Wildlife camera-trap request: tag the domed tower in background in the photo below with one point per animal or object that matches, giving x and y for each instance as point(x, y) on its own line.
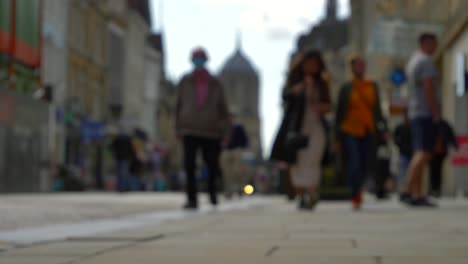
point(241, 84)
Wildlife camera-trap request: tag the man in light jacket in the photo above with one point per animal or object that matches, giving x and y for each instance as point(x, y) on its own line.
point(202, 121)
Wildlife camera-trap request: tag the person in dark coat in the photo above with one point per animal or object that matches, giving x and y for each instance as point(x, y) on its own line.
point(202, 122)
point(301, 140)
point(445, 139)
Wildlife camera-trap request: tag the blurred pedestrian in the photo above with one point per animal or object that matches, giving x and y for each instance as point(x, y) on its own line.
point(444, 140)
point(280, 153)
point(202, 121)
point(358, 120)
point(424, 113)
point(139, 163)
point(122, 149)
point(157, 181)
point(233, 164)
point(402, 139)
point(302, 140)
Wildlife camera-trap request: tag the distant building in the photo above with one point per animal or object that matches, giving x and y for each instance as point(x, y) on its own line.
point(242, 88)
point(138, 28)
point(87, 90)
point(87, 59)
point(115, 73)
point(54, 71)
point(154, 79)
point(166, 117)
point(331, 37)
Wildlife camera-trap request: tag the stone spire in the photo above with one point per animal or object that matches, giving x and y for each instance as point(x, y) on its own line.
point(239, 41)
point(332, 8)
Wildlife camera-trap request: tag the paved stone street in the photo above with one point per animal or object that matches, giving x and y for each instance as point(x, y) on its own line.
point(269, 230)
point(26, 210)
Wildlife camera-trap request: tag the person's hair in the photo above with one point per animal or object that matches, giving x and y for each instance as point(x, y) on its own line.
point(296, 75)
point(426, 36)
point(199, 52)
point(354, 60)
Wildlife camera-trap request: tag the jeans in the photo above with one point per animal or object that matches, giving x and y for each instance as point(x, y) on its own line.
point(211, 150)
point(123, 175)
point(404, 165)
point(358, 155)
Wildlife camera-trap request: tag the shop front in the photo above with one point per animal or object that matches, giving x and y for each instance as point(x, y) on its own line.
point(454, 61)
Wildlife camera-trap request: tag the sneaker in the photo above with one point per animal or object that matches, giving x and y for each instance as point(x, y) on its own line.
point(422, 202)
point(435, 194)
point(190, 206)
point(357, 201)
point(313, 201)
point(302, 204)
point(405, 198)
point(356, 204)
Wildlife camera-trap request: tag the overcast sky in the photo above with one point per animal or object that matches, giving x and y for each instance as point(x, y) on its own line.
point(269, 30)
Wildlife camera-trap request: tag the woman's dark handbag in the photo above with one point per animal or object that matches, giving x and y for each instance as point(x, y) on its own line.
point(289, 139)
point(296, 141)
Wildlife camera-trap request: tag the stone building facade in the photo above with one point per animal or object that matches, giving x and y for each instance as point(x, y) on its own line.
point(330, 36)
point(114, 74)
point(87, 79)
point(153, 81)
point(54, 69)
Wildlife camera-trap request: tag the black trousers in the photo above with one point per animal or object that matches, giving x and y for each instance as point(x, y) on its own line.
point(211, 151)
point(436, 166)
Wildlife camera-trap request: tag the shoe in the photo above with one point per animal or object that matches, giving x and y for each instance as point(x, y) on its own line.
point(405, 198)
point(302, 204)
point(313, 201)
point(382, 196)
point(356, 203)
point(422, 202)
point(360, 197)
point(190, 206)
point(214, 200)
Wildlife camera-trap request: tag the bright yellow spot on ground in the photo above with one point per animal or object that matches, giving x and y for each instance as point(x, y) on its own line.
point(249, 189)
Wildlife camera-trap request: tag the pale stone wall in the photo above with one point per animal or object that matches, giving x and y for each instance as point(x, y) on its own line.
point(54, 68)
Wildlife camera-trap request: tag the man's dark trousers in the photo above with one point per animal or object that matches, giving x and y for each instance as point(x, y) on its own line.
point(211, 150)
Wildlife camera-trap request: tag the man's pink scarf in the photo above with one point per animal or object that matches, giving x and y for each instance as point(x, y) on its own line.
point(201, 78)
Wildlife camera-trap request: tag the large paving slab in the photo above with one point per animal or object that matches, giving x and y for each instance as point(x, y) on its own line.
point(383, 233)
point(66, 249)
point(34, 260)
